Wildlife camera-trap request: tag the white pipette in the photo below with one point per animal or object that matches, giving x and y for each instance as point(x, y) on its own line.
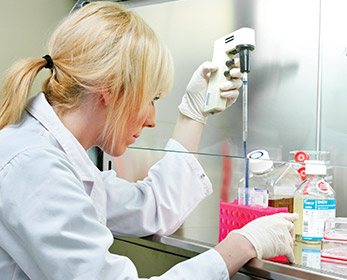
point(244, 52)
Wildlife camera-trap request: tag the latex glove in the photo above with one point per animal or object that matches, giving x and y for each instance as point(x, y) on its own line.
point(193, 101)
point(272, 235)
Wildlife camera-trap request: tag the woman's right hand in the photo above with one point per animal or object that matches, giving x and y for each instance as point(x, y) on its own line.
point(265, 237)
point(272, 235)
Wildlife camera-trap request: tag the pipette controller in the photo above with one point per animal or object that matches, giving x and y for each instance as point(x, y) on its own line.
point(241, 42)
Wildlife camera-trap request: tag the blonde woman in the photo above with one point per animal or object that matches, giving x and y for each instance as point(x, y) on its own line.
point(56, 208)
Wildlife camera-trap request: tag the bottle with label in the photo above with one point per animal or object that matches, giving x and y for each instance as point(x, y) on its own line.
point(314, 201)
point(285, 181)
point(259, 180)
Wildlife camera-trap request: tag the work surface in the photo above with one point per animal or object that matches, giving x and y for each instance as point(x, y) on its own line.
point(190, 242)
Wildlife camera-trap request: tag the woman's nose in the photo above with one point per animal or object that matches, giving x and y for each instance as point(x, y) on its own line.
point(151, 119)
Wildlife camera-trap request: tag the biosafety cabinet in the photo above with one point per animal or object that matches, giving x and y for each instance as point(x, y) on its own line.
point(297, 85)
point(296, 101)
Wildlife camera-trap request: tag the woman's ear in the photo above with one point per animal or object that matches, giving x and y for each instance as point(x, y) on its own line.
point(105, 97)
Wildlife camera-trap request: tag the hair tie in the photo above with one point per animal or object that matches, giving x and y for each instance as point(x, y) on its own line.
point(49, 61)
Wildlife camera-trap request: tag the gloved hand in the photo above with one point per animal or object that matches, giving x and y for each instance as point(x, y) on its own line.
point(193, 101)
point(272, 235)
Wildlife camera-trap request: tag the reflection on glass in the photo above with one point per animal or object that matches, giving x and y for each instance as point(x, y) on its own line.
point(202, 226)
point(298, 158)
point(307, 254)
point(335, 267)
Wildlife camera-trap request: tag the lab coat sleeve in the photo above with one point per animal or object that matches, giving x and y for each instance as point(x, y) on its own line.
point(159, 204)
point(50, 228)
point(208, 265)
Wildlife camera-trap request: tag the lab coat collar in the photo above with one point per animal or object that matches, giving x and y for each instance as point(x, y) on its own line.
point(41, 110)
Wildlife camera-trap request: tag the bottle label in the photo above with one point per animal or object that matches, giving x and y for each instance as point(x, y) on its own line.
point(315, 212)
point(311, 258)
point(323, 186)
point(253, 197)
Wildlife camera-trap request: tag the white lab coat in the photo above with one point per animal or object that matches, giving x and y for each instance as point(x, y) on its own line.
point(57, 208)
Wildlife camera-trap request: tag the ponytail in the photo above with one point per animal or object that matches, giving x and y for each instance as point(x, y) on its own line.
point(16, 88)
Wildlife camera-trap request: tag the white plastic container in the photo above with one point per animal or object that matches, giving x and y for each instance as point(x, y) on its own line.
point(259, 180)
point(268, 185)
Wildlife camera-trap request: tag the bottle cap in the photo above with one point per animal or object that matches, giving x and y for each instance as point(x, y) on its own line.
point(302, 173)
point(259, 161)
point(301, 156)
point(315, 167)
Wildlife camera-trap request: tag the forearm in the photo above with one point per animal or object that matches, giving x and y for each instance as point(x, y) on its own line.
point(236, 251)
point(187, 132)
point(156, 205)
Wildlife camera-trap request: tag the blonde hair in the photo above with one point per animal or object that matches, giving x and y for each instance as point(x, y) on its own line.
point(102, 46)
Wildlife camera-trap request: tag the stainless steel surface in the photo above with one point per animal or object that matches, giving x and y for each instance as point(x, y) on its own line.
point(182, 243)
point(272, 270)
point(260, 268)
point(129, 3)
point(334, 83)
point(283, 84)
point(319, 82)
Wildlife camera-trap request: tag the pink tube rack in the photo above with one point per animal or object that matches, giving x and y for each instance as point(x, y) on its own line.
point(233, 216)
